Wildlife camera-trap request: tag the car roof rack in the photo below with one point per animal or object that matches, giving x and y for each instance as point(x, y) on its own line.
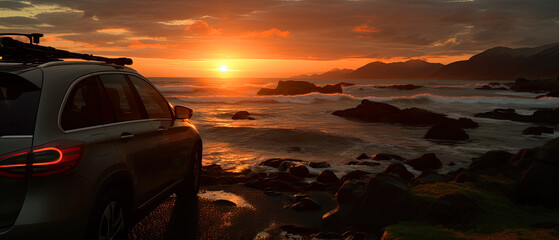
point(15, 51)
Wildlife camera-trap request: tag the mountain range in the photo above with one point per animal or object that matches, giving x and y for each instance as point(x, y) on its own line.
point(499, 63)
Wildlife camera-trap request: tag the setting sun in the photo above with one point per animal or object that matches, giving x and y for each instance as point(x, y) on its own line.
point(223, 68)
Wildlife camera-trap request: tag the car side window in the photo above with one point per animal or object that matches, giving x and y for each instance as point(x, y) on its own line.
point(121, 97)
point(155, 104)
point(82, 108)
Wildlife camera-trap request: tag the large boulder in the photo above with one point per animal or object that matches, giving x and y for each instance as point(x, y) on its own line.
point(400, 170)
point(445, 131)
point(425, 162)
point(327, 176)
point(451, 209)
point(385, 113)
point(536, 86)
point(537, 130)
point(540, 183)
point(242, 115)
point(546, 116)
point(491, 163)
point(299, 87)
point(299, 171)
point(385, 200)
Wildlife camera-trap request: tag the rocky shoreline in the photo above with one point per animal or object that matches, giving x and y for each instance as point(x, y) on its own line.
point(396, 204)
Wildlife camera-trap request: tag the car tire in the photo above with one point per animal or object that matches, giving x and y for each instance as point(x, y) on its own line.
point(110, 219)
point(188, 189)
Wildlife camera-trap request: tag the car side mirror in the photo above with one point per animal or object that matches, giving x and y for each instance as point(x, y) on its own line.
point(183, 112)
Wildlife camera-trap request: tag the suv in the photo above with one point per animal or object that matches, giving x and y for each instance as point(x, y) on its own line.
point(86, 148)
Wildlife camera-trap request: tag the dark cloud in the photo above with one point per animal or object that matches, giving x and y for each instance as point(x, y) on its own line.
point(306, 29)
point(13, 5)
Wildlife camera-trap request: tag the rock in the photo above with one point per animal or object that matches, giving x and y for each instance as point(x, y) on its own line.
point(362, 156)
point(463, 123)
point(523, 158)
point(451, 209)
point(285, 165)
point(319, 165)
point(491, 163)
point(400, 170)
point(208, 180)
point(226, 203)
point(536, 86)
point(297, 229)
point(294, 149)
point(401, 87)
point(326, 235)
point(299, 171)
point(345, 84)
point(504, 114)
point(353, 235)
point(316, 186)
point(537, 130)
point(386, 201)
point(257, 176)
point(444, 131)
point(356, 174)
point(546, 116)
point(363, 163)
point(429, 176)
point(213, 170)
point(385, 113)
point(549, 116)
point(386, 156)
point(272, 193)
point(451, 164)
point(540, 183)
point(242, 115)
point(299, 87)
point(425, 162)
point(554, 94)
point(284, 176)
point(276, 162)
point(305, 204)
point(327, 176)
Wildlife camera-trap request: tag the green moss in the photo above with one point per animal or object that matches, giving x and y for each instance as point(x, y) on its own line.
point(419, 231)
point(498, 214)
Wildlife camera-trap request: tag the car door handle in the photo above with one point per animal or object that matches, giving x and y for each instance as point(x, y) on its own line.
point(126, 136)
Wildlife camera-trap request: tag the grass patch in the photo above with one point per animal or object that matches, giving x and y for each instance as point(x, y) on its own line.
point(499, 217)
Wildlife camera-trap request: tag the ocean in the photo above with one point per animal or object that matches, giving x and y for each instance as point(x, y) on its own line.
point(303, 127)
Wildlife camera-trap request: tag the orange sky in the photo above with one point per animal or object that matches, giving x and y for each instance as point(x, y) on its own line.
point(281, 38)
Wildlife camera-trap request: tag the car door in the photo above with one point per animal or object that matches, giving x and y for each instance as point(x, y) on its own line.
point(134, 136)
point(172, 137)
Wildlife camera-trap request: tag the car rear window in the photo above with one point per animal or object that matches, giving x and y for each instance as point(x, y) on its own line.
point(19, 100)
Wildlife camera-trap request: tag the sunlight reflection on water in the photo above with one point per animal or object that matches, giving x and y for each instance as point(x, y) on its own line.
point(222, 195)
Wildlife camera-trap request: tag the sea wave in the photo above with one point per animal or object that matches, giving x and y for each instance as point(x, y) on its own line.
point(502, 100)
point(299, 99)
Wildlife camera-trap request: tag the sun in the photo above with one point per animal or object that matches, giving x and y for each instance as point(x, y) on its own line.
point(223, 68)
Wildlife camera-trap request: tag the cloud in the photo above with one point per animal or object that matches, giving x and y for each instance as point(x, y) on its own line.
point(309, 29)
point(364, 28)
point(201, 28)
point(272, 32)
point(12, 5)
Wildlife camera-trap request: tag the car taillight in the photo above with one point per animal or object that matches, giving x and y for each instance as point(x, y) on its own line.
point(48, 159)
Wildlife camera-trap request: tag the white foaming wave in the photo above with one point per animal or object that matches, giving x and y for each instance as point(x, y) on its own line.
point(178, 88)
point(299, 99)
point(505, 101)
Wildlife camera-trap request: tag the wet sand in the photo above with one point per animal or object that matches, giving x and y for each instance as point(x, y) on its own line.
point(255, 213)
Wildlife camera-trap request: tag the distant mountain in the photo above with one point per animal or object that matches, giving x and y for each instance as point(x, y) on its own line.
point(498, 63)
point(503, 63)
point(412, 69)
point(335, 73)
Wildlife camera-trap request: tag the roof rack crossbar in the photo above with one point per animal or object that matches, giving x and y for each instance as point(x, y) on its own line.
point(16, 51)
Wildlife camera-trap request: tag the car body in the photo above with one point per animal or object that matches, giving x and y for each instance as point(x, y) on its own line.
point(80, 141)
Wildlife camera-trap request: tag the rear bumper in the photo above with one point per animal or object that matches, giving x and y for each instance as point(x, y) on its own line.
point(54, 208)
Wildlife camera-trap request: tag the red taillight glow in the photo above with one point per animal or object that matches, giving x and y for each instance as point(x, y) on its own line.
point(48, 159)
